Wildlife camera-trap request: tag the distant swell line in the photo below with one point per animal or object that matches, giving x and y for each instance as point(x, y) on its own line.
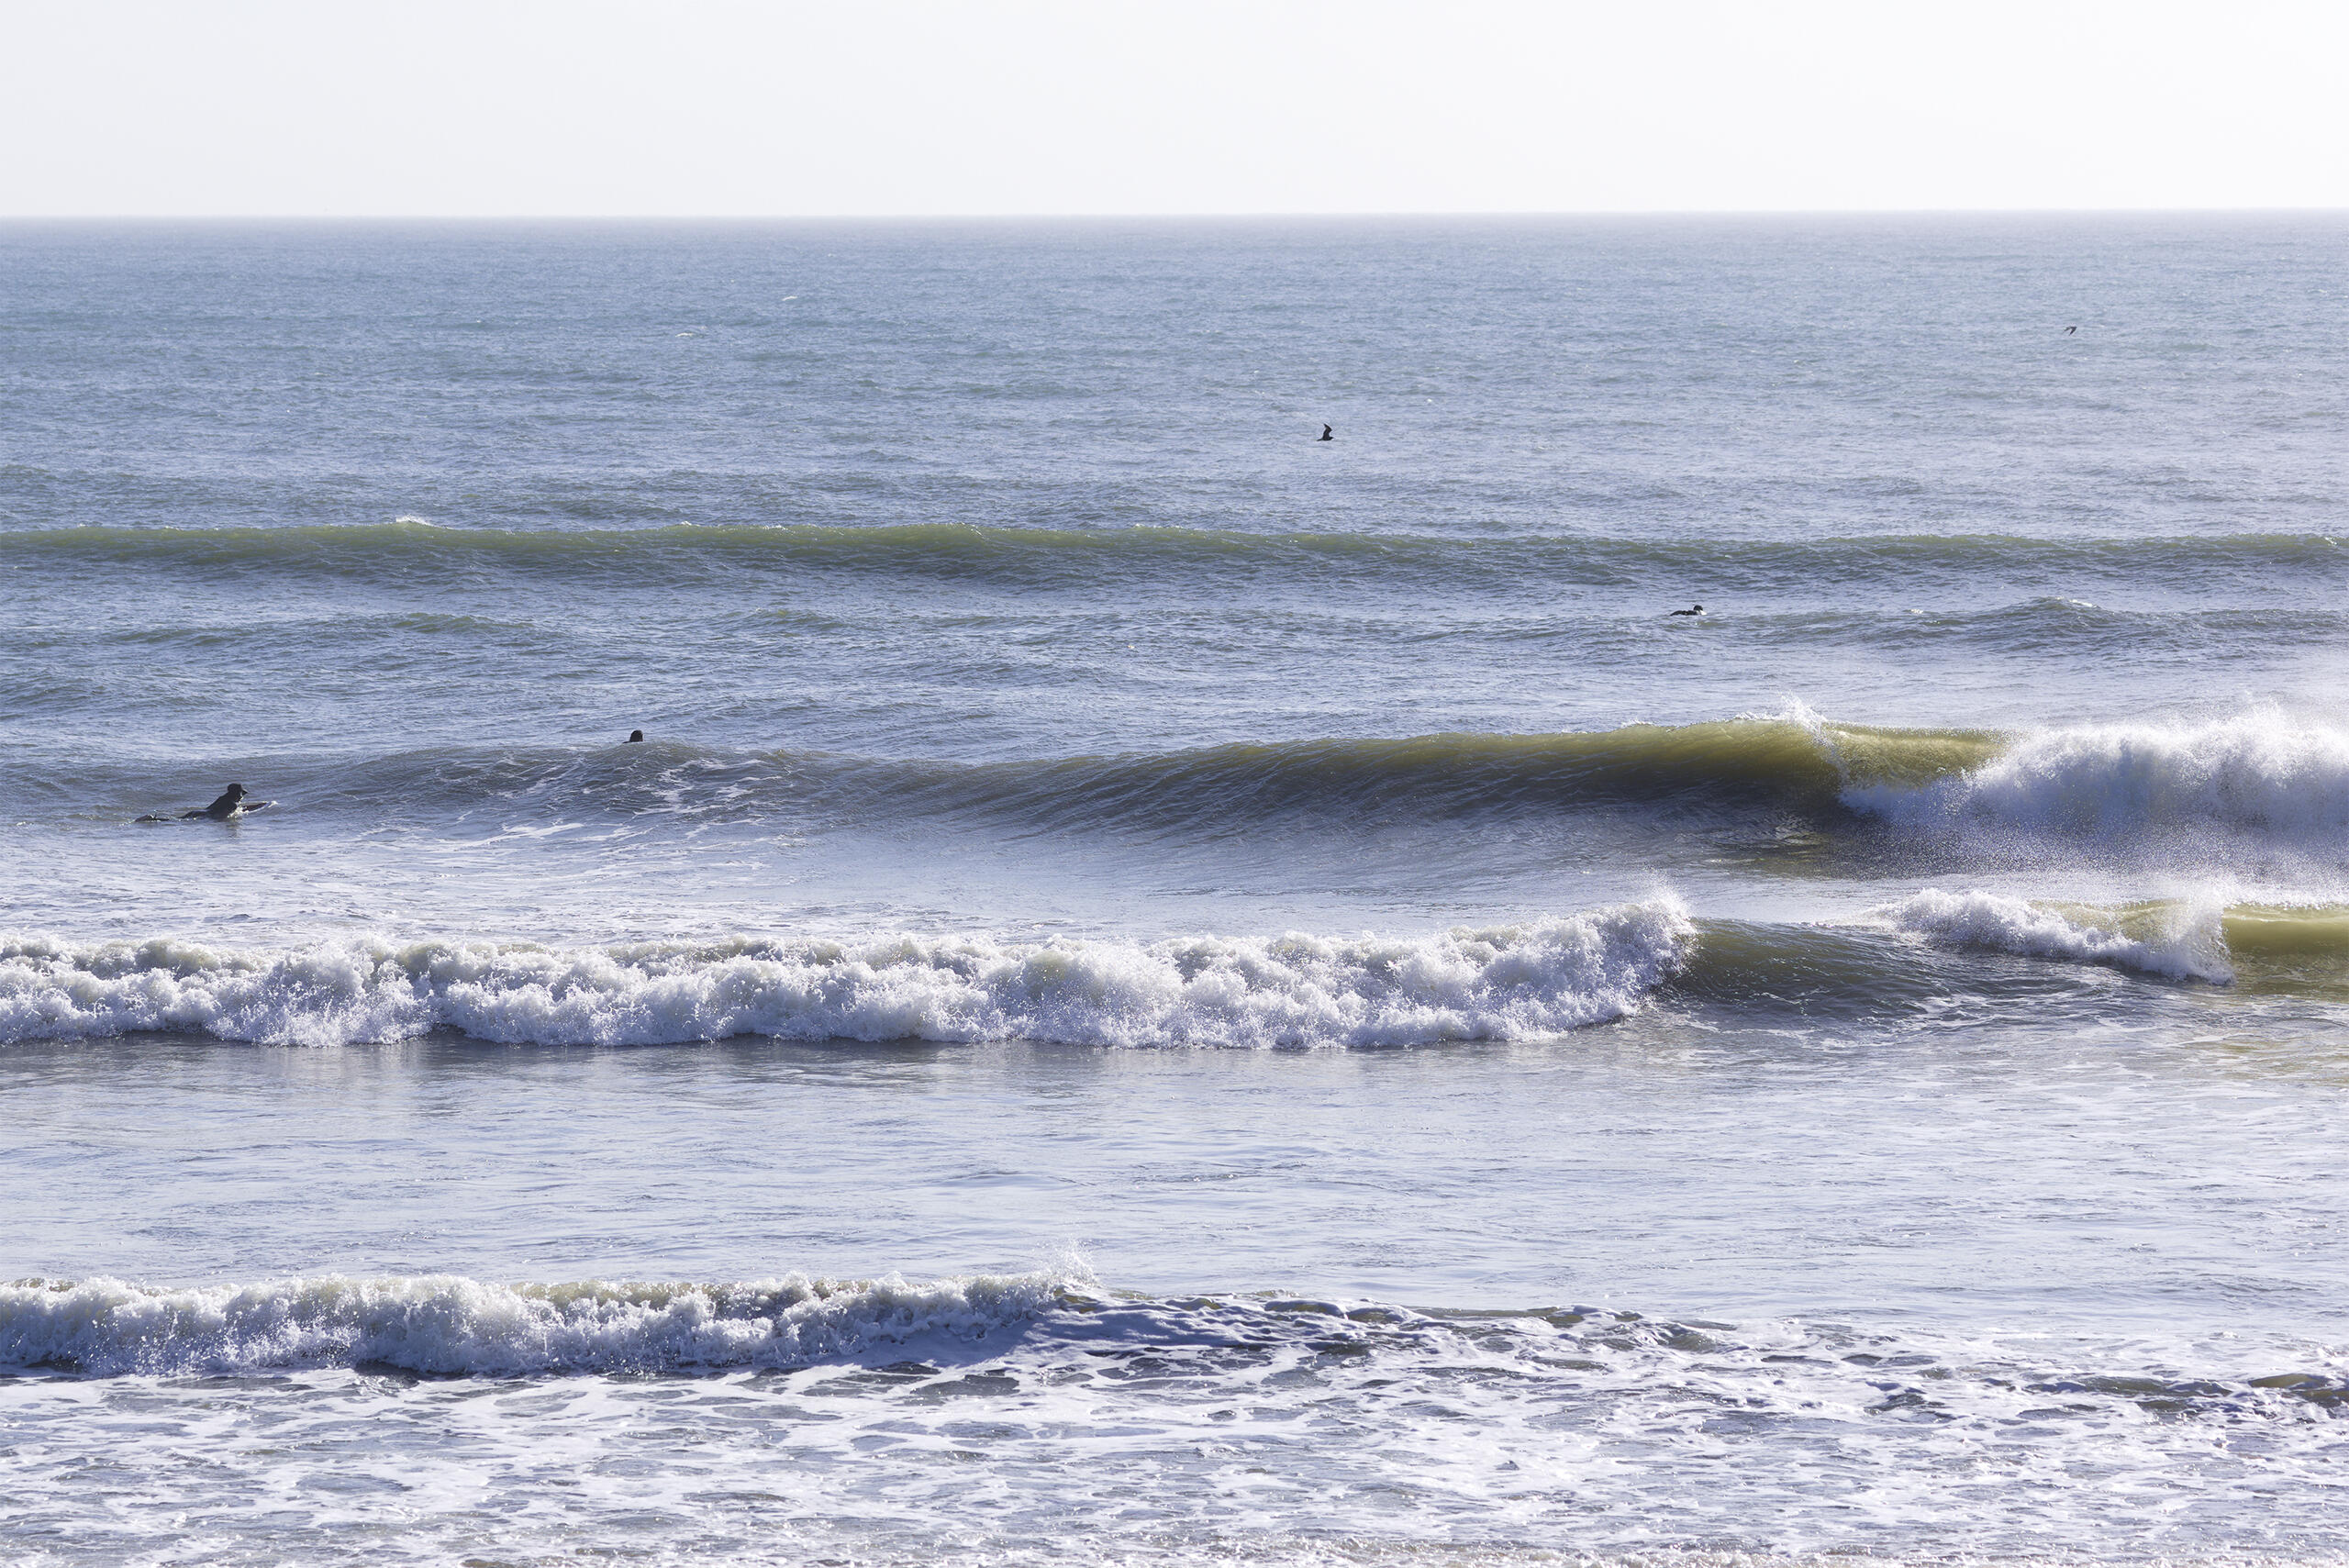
point(1081, 557)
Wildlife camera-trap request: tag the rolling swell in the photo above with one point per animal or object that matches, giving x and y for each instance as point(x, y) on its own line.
point(1087, 558)
point(2193, 789)
point(1730, 767)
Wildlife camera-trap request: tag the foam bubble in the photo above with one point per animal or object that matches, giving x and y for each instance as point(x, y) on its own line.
point(1496, 982)
point(2190, 947)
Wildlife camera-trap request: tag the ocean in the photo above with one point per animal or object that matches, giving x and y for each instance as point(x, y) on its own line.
point(1160, 989)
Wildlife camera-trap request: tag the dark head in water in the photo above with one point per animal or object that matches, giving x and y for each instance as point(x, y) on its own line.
point(1691, 610)
point(1325, 435)
point(634, 736)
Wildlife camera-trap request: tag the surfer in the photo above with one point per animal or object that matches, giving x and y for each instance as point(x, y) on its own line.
point(634, 736)
point(1691, 610)
point(234, 802)
point(1325, 435)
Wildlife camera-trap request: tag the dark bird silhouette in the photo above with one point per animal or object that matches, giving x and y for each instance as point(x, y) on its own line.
point(1693, 610)
point(1325, 435)
point(2069, 330)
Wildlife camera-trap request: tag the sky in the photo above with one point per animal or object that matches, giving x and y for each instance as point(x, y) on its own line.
point(886, 107)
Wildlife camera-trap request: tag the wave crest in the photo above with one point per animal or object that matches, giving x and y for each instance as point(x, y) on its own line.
point(1495, 982)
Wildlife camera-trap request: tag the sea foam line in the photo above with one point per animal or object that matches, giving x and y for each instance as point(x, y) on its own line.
point(1492, 983)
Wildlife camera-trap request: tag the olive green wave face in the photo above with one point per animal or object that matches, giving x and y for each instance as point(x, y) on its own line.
point(1732, 763)
point(1907, 757)
point(1809, 764)
point(2302, 952)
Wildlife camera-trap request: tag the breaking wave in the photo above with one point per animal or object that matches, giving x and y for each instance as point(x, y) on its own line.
point(2189, 942)
point(446, 1325)
point(1493, 983)
point(1023, 1328)
point(2259, 774)
point(2301, 950)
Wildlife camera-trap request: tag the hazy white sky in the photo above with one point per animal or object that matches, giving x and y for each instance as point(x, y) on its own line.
point(890, 107)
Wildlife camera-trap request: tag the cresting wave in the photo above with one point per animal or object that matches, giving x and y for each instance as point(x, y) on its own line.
point(1800, 763)
point(447, 1325)
point(1083, 558)
point(1497, 982)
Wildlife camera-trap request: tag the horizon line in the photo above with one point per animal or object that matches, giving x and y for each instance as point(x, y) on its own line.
point(1189, 215)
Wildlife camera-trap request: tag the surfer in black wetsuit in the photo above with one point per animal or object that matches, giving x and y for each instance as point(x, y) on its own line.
point(234, 801)
point(1692, 610)
point(634, 736)
point(1325, 435)
point(231, 801)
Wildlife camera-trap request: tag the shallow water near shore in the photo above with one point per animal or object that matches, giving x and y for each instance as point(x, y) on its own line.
point(1161, 990)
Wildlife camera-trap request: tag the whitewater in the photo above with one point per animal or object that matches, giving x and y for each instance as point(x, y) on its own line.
point(1158, 990)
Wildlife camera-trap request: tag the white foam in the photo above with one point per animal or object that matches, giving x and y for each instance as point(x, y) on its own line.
point(2260, 773)
point(2192, 947)
point(1499, 983)
point(444, 1324)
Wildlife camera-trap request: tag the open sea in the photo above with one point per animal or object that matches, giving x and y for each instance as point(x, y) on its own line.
point(1162, 989)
